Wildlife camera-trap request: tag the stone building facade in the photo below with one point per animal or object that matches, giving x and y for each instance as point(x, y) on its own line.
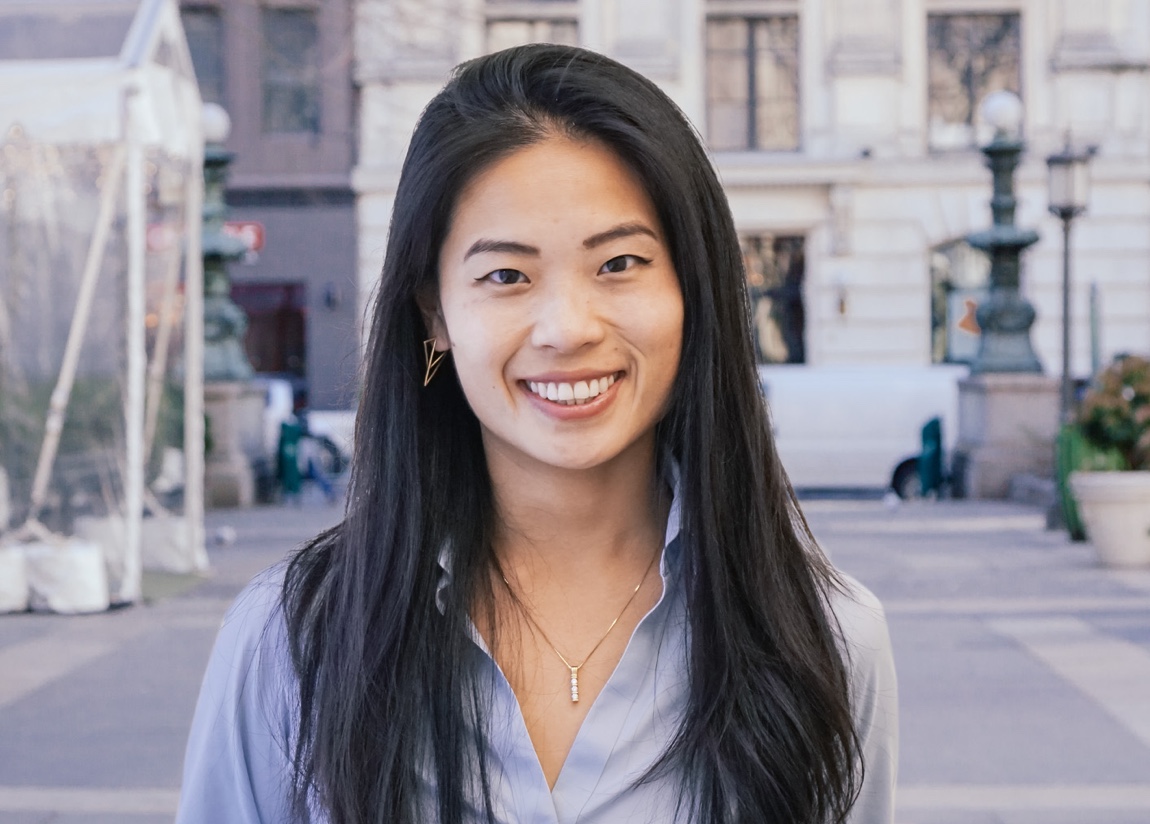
point(282, 70)
point(845, 133)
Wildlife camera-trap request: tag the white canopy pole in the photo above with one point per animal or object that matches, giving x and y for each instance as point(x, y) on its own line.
point(129, 590)
point(59, 401)
point(194, 365)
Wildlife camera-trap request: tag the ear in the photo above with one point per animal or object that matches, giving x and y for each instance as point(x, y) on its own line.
point(432, 313)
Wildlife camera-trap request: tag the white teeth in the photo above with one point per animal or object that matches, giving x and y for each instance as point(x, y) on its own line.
point(572, 394)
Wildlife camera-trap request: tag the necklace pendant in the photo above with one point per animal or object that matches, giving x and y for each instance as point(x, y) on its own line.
point(574, 685)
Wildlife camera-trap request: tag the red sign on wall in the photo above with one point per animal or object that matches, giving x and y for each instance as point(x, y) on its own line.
point(250, 232)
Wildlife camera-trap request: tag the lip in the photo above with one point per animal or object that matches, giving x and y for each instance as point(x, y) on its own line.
point(572, 377)
point(563, 412)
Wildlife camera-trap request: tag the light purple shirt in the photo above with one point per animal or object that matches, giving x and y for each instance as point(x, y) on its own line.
point(238, 763)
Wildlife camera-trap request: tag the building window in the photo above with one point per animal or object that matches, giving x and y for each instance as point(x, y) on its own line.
point(204, 28)
point(753, 83)
point(518, 22)
point(969, 56)
point(775, 272)
point(505, 33)
point(290, 70)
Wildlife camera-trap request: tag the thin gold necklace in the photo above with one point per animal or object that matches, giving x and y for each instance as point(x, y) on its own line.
point(574, 668)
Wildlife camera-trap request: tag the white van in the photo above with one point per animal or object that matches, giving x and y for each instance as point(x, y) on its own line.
point(859, 427)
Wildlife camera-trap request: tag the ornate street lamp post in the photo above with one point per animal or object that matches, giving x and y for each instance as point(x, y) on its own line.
point(224, 321)
point(232, 404)
point(1068, 190)
point(1008, 409)
point(1005, 317)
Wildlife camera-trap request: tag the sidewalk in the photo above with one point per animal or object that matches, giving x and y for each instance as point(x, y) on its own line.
point(95, 710)
point(1024, 668)
point(1024, 671)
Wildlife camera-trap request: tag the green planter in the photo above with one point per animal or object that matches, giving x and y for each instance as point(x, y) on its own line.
point(1073, 453)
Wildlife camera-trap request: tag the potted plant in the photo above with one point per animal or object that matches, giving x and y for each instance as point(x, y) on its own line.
point(1112, 484)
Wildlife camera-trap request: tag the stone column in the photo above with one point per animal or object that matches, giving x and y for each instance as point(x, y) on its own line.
point(1007, 423)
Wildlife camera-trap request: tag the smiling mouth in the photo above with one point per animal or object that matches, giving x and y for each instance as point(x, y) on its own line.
point(576, 393)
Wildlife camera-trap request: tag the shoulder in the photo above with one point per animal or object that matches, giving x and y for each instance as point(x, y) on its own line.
point(238, 758)
point(251, 660)
point(866, 646)
point(860, 616)
point(864, 639)
point(258, 605)
point(253, 630)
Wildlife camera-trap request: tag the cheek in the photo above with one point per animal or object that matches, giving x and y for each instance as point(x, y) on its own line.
point(662, 327)
point(671, 346)
point(482, 348)
point(481, 382)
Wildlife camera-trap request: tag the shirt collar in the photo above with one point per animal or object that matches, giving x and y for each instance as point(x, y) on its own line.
point(669, 563)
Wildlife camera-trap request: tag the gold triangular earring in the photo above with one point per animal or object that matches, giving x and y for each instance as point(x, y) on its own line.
point(433, 359)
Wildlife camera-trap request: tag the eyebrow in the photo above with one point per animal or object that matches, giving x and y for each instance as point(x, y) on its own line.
point(515, 248)
point(506, 246)
point(621, 231)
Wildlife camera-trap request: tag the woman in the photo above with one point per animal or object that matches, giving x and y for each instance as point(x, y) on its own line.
point(573, 583)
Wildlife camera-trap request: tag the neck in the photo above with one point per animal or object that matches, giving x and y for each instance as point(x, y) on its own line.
point(578, 525)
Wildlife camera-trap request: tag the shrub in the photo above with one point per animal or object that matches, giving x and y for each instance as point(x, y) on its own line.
point(1115, 414)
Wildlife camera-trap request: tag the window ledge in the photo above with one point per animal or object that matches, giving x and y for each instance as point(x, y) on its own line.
point(783, 169)
point(865, 57)
point(1094, 51)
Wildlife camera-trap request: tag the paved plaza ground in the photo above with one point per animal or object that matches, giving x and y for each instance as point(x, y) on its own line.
point(1024, 671)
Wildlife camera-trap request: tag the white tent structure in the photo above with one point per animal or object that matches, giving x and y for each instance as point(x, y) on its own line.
point(101, 388)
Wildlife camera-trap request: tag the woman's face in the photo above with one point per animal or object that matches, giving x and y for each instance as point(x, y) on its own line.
point(560, 305)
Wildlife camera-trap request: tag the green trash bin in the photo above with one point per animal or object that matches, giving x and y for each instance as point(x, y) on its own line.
point(287, 457)
point(930, 474)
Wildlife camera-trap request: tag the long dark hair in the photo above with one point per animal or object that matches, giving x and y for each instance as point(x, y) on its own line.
point(386, 704)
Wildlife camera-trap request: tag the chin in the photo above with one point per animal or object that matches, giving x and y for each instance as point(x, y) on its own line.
point(573, 463)
point(578, 457)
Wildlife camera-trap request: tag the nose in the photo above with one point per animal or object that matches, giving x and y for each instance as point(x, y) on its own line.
point(567, 315)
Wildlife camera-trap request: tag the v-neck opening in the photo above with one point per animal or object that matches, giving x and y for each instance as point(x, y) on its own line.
point(582, 775)
point(596, 708)
point(586, 760)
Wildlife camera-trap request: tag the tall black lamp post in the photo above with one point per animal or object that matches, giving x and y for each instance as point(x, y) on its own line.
point(1068, 189)
point(1005, 317)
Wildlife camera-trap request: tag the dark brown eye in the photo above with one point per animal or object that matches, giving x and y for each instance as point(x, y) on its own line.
point(505, 277)
point(622, 263)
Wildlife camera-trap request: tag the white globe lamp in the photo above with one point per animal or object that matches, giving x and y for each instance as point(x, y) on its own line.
point(216, 123)
point(1002, 110)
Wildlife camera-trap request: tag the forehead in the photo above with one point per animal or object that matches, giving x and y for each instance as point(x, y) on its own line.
point(579, 184)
